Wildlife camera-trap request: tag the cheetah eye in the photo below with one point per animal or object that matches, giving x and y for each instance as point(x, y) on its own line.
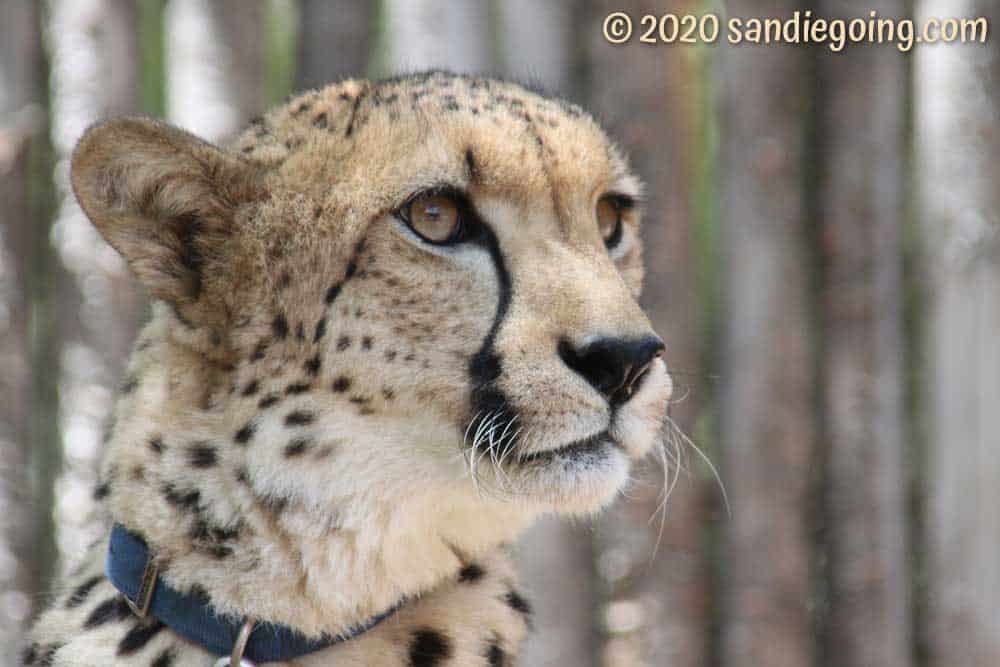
point(611, 210)
point(435, 216)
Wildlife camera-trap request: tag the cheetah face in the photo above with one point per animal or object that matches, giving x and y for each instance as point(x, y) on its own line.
point(424, 282)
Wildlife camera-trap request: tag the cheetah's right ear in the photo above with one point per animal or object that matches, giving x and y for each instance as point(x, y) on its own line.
point(165, 200)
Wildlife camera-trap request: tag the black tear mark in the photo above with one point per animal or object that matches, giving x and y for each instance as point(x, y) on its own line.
point(485, 367)
point(202, 455)
point(428, 648)
point(112, 609)
point(80, 593)
point(140, 635)
point(312, 365)
point(244, 435)
point(280, 326)
point(320, 330)
point(471, 573)
point(321, 121)
point(299, 418)
point(251, 388)
point(297, 447)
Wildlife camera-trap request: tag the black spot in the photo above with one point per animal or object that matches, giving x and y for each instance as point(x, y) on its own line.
point(471, 573)
point(130, 384)
point(366, 343)
point(331, 294)
point(354, 114)
point(297, 447)
point(495, 656)
point(156, 444)
point(428, 648)
point(30, 655)
point(138, 637)
point(202, 455)
point(300, 331)
point(243, 476)
point(285, 280)
point(321, 121)
point(80, 593)
point(112, 609)
point(516, 602)
point(280, 326)
point(102, 491)
point(165, 659)
point(299, 418)
point(342, 384)
point(185, 500)
point(268, 401)
point(343, 343)
point(259, 351)
point(388, 394)
point(47, 655)
point(320, 330)
point(312, 365)
point(360, 400)
point(390, 355)
point(297, 388)
point(251, 388)
point(470, 162)
point(244, 434)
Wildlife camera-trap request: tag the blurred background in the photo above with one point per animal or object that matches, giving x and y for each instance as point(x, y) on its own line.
point(823, 247)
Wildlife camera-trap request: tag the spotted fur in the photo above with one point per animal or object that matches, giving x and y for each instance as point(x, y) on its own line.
point(327, 416)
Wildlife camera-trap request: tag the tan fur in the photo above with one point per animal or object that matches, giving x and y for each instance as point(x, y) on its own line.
point(292, 435)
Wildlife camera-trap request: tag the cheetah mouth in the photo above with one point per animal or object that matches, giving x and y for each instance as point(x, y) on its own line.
point(593, 445)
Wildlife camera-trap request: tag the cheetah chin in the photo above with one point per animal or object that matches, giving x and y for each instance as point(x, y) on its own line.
point(393, 324)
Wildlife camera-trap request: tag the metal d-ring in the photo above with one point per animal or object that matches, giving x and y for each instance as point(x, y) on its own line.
point(236, 658)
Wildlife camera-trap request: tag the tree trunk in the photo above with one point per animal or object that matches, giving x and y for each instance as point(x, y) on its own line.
point(556, 557)
point(957, 97)
point(860, 129)
point(335, 39)
point(215, 65)
point(22, 81)
point(767, 372)
point(424, 34)
point(94, 55)
point(664, 578)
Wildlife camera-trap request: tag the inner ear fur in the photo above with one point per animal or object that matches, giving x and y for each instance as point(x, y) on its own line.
point(166, 201)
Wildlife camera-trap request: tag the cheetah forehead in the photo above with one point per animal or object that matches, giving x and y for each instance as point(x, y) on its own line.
point(379, 141)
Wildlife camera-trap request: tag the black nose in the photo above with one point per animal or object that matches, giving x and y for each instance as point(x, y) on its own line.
point(613, 366)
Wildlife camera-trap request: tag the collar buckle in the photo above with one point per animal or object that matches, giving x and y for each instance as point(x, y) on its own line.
point(236, 658)
point(140, 606)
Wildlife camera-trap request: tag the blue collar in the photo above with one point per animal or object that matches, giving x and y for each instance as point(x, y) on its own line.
point(132, 571)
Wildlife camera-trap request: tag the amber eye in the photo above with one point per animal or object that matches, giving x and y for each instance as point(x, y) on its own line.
point(435, 217)
point(610, 209)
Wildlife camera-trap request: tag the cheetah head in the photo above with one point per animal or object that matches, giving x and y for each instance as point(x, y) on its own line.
point(420, 291)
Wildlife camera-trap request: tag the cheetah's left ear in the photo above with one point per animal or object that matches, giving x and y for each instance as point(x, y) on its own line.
point(165, 200)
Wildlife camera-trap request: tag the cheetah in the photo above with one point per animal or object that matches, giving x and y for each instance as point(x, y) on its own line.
point(393, 324)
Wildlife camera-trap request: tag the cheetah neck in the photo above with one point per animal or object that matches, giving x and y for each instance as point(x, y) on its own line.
point(318, 551)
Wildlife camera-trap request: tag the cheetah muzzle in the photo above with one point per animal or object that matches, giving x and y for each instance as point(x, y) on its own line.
point(392, 325)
